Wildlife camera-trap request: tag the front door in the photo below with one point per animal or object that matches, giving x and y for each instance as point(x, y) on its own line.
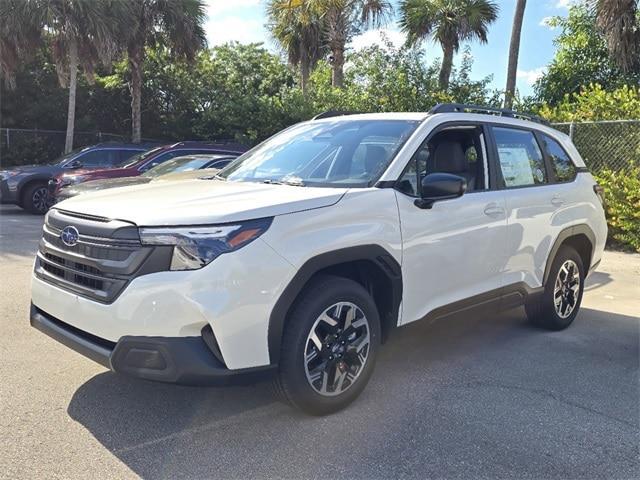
point(454, 250)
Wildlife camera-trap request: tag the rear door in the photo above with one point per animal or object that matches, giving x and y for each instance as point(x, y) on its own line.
point(531, 204)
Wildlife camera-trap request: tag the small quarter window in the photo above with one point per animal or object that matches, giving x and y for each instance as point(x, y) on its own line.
point(521, 160)
point(563, 167)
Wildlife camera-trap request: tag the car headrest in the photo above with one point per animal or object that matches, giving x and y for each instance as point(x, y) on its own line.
point(375, 158)
point(449, 157)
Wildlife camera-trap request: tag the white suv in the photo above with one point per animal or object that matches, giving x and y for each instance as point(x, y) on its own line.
point(298, 259)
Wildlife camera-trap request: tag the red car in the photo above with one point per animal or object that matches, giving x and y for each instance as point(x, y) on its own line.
point(142, 162)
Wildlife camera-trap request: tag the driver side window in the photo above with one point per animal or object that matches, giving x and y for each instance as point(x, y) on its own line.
point(455, 150)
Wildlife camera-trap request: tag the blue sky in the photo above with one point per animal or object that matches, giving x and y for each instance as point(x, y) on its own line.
point(244, 21)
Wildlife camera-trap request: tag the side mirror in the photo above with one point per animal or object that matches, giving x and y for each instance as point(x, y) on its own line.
point(440, 186)
point(75, 164)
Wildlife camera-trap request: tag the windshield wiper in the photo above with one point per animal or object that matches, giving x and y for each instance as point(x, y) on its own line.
point(294, 182)
point(212, 177)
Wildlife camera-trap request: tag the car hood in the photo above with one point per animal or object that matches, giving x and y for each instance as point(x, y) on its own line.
point(94, 185)
point(199, 202)
point(31, 169)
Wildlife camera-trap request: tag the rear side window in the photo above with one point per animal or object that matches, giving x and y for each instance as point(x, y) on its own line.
point(521, 160)
point(124, 155)
point(563, 167)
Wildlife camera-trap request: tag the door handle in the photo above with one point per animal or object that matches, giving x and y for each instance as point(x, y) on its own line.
point(493, 210)
point(557, 201)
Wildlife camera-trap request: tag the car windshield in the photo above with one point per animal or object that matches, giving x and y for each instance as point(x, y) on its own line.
point(336, 153)
point(131, 161)
point(178, 164)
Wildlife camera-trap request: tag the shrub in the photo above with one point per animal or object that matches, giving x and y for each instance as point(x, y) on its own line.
point(622, 204)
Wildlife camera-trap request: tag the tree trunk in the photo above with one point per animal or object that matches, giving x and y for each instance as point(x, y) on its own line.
point(135, 65)
point(304, 76)
point(337, 67)
point(514, 50)
point(73, 83)
point(445, 69)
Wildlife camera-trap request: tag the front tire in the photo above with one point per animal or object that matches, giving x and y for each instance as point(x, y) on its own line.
point(36, 199)
point(329, 347)
point(558, 305)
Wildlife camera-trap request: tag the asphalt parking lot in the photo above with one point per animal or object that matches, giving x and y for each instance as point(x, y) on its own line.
point(472, 397)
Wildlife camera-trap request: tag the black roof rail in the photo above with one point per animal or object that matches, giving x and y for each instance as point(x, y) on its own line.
point(332, 113)
point(503, 112)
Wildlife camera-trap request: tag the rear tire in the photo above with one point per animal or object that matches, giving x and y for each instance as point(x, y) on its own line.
point(329, 346)
point(35, 198)
point(560, 301)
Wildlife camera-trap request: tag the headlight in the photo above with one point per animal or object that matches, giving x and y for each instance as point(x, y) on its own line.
point(195, 247)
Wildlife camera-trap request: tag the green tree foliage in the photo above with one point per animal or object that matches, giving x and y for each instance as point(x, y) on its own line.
point(235, 91)
point(449, 23)
point(594, 103)
point(300, 34)
point(581, 58)
point(622, 204)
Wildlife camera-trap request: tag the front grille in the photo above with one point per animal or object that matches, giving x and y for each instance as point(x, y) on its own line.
point(107, 256)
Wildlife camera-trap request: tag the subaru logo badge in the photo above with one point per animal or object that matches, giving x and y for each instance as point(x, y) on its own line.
point(69, 236)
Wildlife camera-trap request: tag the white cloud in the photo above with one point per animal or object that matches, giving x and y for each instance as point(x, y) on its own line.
point(237, 29)
point(376, 37)
point(565, 3)
point(530, 76)
point(218, 7)
point(235, 20)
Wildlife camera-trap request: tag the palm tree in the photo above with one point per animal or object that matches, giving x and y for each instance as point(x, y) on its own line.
point(176, 24)
point(342, 20)
point(619, 21)
point(79, 33)
point(514, 51)
point(20, 37)
point(447, 22)
point(299, 33)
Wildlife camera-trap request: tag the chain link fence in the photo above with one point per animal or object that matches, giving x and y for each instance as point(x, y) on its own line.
point(31, 146)
point(613, 145)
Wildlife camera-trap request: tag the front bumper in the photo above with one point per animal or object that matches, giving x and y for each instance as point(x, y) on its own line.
point(7, 194)
point(179, 360)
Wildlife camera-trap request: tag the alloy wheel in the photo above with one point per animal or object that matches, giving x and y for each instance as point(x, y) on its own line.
point(337, 349)
point(566, 289)
point(40, 199)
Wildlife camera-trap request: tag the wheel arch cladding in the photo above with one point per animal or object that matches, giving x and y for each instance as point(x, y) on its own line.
point(581, 238)
point(371, 266)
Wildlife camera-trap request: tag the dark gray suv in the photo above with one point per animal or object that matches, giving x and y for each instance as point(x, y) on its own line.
point(26, 186)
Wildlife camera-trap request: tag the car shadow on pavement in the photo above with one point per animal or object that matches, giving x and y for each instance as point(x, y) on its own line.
point(597, 280)
point(434, 380)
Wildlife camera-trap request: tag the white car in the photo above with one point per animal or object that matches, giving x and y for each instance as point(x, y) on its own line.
point(298, 260)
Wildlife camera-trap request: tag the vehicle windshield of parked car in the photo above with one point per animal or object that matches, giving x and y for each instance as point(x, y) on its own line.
point(178, 164)
point(131, 161)
point(336, 153)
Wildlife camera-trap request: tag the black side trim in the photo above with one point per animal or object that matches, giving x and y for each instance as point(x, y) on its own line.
point(211, 341)
point(385, 184)
point(502, 298)
point(375, 253)
point(564, 235)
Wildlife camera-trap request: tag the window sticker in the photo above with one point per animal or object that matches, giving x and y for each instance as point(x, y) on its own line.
point(515, 165)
